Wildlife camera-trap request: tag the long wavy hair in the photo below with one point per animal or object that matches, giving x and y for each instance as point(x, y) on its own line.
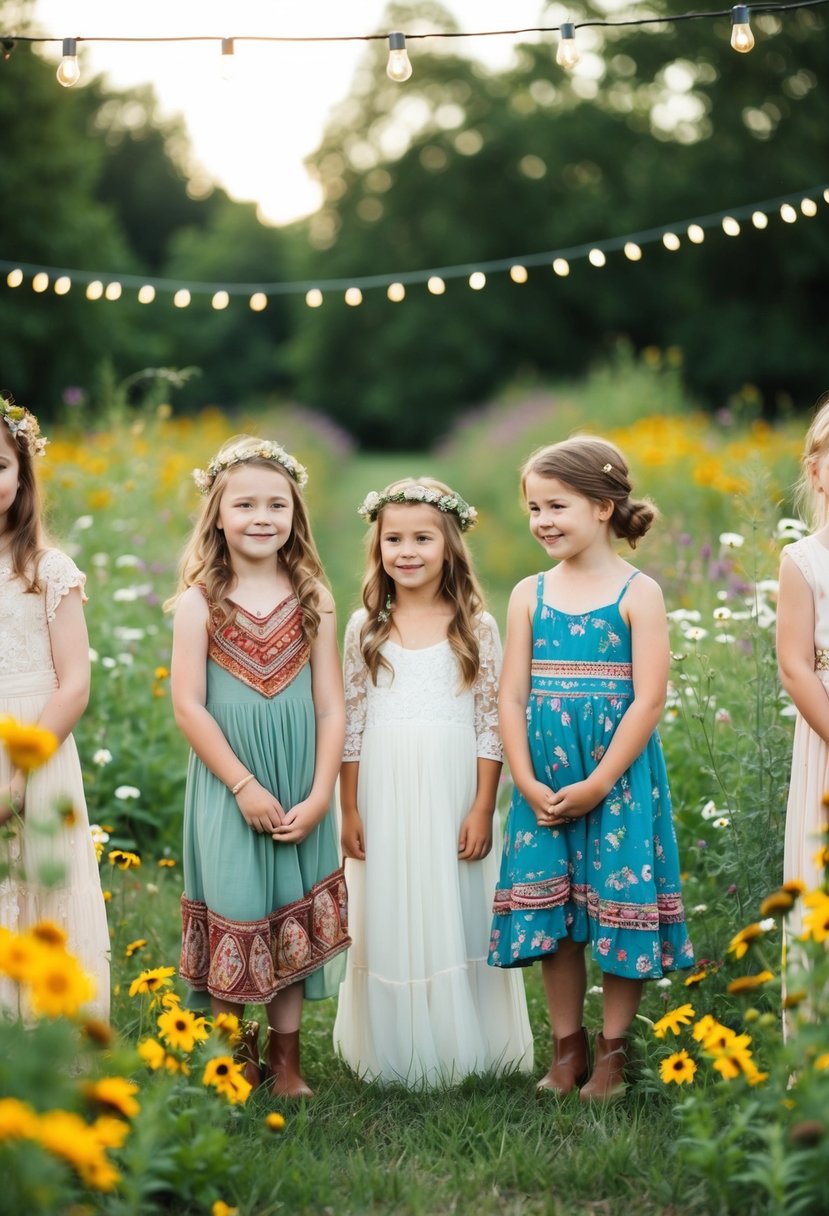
point(596, 469)
point(24, 520)
point(811, 507)
point(459, 587)
point(206, 562)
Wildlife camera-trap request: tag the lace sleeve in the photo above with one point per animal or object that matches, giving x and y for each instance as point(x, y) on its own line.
point(486, 691)
point(61, 575)
point(356, 677)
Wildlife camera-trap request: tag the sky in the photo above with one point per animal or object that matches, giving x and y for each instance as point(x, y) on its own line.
point(251, 133)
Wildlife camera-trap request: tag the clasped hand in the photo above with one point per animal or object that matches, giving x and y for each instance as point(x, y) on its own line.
point(556, 808)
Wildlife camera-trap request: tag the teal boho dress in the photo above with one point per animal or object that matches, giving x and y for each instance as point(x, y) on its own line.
point(258, 915)
point(612, 877)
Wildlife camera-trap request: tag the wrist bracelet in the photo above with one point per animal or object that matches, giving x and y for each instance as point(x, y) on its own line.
point(240, 785)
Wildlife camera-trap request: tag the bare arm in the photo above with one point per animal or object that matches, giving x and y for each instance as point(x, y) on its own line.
point(475, 839)
point(353, 835)
point(329, 713)
point(514, 695)
point(70, 656)
point(796, 648)
point(258, 806)
point(650, 662)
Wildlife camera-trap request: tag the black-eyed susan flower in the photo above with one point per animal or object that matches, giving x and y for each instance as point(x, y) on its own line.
point(678, 1069)
point(152, 1053)
point(19, 953)
point(794, 886)
point(111, 1132)
point(227, 1025)
point(58, 985)
point(152, 980)
point(706, 1026)
point(275, 1122)
point(777, 904)
point(115, 1092)
point(49, 934)
point(66, 1135)
point(98, 1032)
point(794, 998)
point(695, 978)
point(28, 747)
point(747, 983)
point(225, 1076)
point(816, 920)
point(123, 859)
point(134, 947)
point(739, 944)
point(674, 1020)
point(181, 1029)
point(18, 1120)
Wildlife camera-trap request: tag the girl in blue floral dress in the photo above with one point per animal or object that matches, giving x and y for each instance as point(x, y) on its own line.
point(590, 852)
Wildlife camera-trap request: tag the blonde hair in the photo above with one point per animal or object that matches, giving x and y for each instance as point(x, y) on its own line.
point(459, 587)
point(205, 561)
point(813, 508)
point(24, 518)
point(596, 469)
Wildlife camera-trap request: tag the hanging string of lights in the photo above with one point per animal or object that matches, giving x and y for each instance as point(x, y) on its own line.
point(108, 286)
point(399, 67)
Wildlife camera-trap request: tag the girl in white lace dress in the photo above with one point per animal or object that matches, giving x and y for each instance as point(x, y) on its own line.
point(44, 679)
point(803, 657)
point(419, 1005)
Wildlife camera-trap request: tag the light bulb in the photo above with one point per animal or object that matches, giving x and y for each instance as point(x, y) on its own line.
point(567, 54)
point(68, 72)
point(742, 39)
point(228, 58)
point(398, 67)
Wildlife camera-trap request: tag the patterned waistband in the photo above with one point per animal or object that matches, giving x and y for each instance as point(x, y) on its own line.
point(554, 669)
point(822, 660)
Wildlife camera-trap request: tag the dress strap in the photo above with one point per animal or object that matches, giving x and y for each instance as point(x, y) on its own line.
point(539, 588)
point(625, 586)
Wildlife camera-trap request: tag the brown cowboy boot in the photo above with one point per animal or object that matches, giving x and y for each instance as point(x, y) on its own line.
point(608, 1079)
point(569, 1066)
point(247, 1053)
point(283, 1060)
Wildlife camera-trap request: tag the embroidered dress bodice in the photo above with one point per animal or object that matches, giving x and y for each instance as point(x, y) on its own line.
point(266, 653)
point(25, 649)
point(424, 686)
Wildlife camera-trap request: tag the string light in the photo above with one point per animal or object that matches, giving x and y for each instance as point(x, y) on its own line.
point(399, 67)
point(567, 53)
point(397, 285)
point(68, 72)
point(40, 282)
point(742, 39)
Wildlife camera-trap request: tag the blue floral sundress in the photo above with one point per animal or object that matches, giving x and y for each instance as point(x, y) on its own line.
point(612, 877)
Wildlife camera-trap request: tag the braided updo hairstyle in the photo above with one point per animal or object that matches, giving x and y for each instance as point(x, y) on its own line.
point(596, 469)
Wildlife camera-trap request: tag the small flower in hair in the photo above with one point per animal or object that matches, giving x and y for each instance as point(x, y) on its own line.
point(385, 612)
point(607, 468)
point(265, 450)
point(23, 425)
point(449, 504)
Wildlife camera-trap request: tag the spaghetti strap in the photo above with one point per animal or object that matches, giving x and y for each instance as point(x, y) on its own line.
point(539, 587)
point(625, 586)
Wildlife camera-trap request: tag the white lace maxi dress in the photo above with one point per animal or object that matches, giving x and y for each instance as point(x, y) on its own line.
point(806, 813)
point(45, 842)
point(419, 1004)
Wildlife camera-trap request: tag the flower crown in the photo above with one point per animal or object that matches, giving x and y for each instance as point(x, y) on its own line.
point(264, 450)
point(23, 425)
point(450, 504)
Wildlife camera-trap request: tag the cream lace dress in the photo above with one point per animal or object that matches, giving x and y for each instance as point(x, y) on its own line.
point(45, 844)
point(419, 1005)
point(806, 815)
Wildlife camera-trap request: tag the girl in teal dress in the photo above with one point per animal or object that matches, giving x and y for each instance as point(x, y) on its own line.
point(590, 851)
point(257, 691)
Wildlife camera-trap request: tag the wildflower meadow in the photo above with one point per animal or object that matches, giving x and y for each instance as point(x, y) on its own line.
point(724, 1113)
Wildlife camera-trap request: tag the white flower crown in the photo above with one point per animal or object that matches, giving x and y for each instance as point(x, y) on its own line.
point(450, 504)
point(265, 450)
point(22, 424)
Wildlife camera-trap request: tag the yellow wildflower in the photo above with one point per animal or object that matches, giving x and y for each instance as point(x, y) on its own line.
point(778, 901)
point(17, 1120)
point(116, 1092)
point(678, 1069)
point(152, 1053)
point(152, 979)
point(123, 859)
point(58, 985)
point(225, 1075)
point(816, 920)
point(66, 1135)
point(275, 1122)
point(110, 1132)
point(822, 1062)
point(739, 944)
point(220, 1208)
point(161, 673)
point(19, 954)
point(745, 983)
point(227, 1024)
point(167, 863)
point(49, 934)
point(673, 1020)
point(181, 1029)
point(135, 946)
point(28, 746)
